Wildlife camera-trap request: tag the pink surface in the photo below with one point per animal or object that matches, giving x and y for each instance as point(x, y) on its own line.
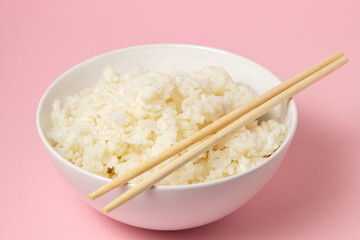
point(314, 195)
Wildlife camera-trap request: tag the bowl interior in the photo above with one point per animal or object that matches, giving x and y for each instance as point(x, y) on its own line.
point(186, 58)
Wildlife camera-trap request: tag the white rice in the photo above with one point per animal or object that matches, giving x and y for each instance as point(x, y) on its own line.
point(129, 117)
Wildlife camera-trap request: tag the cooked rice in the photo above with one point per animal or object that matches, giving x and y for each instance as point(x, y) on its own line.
point(129, 117)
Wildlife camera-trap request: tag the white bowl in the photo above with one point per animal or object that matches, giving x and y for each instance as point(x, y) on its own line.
point(168, 207)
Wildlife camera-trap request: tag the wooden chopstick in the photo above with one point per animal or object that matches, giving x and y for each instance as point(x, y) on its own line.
point(226, 131)
point(210, 129)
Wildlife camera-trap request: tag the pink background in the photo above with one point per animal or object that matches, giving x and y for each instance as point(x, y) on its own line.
point(314, 195)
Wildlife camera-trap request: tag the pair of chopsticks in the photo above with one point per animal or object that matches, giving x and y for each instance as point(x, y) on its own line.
point(219, 130)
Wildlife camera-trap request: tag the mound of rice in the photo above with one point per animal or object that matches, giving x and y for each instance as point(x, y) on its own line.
point(129, 117)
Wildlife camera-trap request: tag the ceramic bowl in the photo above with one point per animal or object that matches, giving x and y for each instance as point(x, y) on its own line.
point(168, 207)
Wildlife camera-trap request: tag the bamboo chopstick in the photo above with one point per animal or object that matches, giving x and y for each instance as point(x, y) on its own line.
point(210, 129)
point(226, 131)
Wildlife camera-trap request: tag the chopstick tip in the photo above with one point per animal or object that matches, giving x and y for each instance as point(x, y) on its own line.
point(106, 210)
point(91, 196)
point(340, 53)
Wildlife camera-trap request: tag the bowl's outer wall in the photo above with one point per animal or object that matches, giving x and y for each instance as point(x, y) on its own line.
point(174, 209)
point(167, 208)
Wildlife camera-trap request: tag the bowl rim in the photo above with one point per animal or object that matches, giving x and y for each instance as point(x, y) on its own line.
point(290, 134)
